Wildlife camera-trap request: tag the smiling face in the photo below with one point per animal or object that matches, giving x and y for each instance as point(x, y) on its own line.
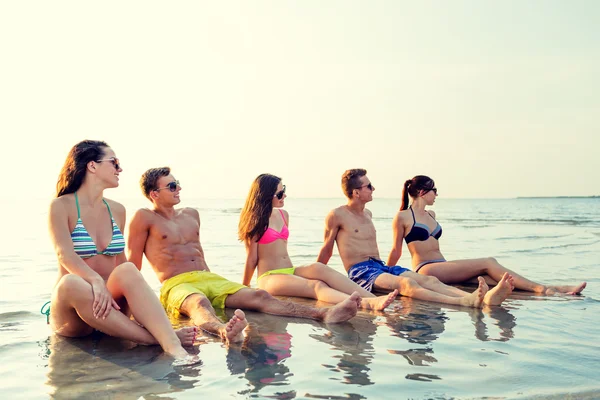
point(167, 191)
point(108, 168)
point(279, 196)
point(364, 192)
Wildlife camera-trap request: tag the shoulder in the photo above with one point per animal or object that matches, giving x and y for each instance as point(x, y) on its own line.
point(369, 213)
point(143, 213)
point(431, 212)
point(115, 206)
point(285, 214)
point(190, 212)
point(62, 202)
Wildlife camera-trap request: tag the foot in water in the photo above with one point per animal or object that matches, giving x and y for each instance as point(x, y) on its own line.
point(378, 303)
point(233, 330)
point(572, 290)
point(475, 299)
point(343, 311)
point(501, 291)
point(187, 335)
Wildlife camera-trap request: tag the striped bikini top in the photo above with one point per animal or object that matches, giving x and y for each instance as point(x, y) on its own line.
point(84, 245)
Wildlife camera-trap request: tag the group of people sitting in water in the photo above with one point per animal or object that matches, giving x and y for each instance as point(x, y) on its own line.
point(100, 286)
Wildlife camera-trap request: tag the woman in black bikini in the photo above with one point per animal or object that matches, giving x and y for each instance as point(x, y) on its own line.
point(418, 227)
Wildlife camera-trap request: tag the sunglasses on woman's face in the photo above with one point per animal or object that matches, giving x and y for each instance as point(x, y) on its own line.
point(113, 160)
point(434, 190)
point(172, 186)
point(280, 194)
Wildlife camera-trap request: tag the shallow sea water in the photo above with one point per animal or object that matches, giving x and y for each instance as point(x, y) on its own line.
point(531, 347)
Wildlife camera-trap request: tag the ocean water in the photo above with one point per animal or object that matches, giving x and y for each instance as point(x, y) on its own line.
point(530, 347)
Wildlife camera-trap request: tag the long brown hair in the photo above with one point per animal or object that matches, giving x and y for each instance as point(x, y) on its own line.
point(254, 218)
point(413, 187)
point(73, 171)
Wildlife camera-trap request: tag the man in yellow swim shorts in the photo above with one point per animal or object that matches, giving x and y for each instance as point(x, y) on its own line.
point(170, 239)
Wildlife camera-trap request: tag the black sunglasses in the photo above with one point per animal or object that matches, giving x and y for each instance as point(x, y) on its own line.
point(280, 194)
point(113, 160)
point(172, 186)
point(368, 185)
point(434, 190)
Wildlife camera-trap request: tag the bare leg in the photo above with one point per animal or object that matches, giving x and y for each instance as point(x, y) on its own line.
point(261, 300)
point(434, 284)
point(72, 316)
point(292, 285)
point(410, 288)
point(463, 270)
point(198, 308)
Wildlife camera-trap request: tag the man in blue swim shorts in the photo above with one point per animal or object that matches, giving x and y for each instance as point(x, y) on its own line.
point(169, 237)
point(351, 227)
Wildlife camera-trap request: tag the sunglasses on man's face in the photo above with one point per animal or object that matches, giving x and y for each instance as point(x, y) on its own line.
point(368, 186)
point(172, 186)
point(280, 194)
point(113, 160)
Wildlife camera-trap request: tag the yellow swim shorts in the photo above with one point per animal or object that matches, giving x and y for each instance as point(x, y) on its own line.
point(177, 288)
point(281, 271)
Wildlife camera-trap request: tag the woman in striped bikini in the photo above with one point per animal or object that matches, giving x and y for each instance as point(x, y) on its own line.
point(265, 232)
point(97, 288)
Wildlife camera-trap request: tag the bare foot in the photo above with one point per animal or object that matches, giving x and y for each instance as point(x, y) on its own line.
point(343, 311)
point(475, 299)
point(378, 303)
point(566, 289)
point(232, 332)
point(187, 335)
point(501, 291)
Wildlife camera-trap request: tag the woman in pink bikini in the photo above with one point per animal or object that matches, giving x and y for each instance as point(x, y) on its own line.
point(265, 232)
point(421, 232)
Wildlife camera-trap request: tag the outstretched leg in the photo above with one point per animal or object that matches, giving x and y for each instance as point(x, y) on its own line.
point(261, 300)
point(463, 270)
point(410, 288)
point(299, 286)
point(198, 308)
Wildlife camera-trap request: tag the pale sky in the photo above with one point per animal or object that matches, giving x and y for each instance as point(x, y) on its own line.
point(490, 99)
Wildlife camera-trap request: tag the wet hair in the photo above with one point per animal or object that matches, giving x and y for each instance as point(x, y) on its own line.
point(149, 179)
point(73, 171)
point(254, 218)
point(351, 180)
point(414, 186)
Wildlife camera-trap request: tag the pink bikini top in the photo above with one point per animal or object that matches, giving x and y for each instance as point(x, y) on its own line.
point(272, 235)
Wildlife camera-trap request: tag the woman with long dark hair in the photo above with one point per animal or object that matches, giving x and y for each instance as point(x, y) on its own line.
point(421, 232)
point(264, 229)
point(97, 288)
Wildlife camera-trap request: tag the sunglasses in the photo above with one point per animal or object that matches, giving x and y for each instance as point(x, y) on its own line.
point(113, 160)
point(280, 194)
point(369, 186)
point(172, 186)
point(434, 190)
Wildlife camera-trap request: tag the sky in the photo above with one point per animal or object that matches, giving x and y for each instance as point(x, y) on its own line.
point(490, 99)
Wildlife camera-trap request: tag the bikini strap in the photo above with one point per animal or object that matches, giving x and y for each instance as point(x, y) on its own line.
point(77, 202)
point(431, 216)
point(109, 212)
point(282, 217)
point(413, 214)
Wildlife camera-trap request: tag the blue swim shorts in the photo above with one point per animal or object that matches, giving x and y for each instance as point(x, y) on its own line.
point(364, 273)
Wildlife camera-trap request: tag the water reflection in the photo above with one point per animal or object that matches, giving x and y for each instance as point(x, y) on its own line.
point(99, 365)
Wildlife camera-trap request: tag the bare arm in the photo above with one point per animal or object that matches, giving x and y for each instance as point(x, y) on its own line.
point(139, 229)
point(251, 261)
point(120, 215)
point(398, 236)
point(332, 227)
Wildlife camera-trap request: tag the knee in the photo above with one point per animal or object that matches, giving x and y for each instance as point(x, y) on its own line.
point(262, 297)
point(432, 280)
point(318, 285)
point(200, 301)
point(127, 271)
point(491, 261)
point(408, 287)
point(71, 286)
